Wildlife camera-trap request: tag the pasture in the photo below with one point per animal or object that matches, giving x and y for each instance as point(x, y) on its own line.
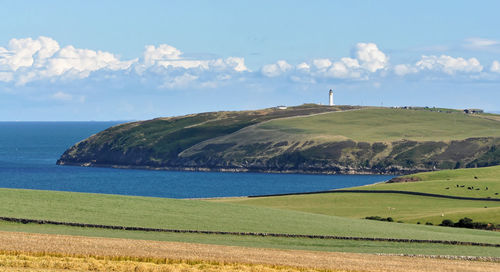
point(386, 124)
point(471, 182)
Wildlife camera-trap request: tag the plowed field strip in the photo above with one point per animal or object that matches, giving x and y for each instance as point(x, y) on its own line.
point(89, 246)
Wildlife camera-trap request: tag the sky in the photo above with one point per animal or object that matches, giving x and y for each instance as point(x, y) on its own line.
point(134, 60)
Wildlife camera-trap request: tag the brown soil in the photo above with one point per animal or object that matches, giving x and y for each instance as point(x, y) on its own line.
point(92, 246)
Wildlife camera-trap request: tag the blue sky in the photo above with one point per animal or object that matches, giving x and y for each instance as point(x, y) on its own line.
point(123, 60)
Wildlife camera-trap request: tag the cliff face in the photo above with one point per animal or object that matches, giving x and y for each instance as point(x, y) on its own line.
point(246, 141)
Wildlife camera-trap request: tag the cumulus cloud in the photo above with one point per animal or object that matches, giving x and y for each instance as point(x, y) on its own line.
point(27, 60)
point(164, 66)
point(439, 65)
point(449, 65)
point(404, 69)
point(167, 56)
point(370, 57)
point(276, 69)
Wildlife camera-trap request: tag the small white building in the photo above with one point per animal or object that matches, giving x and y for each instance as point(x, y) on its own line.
point(281, 107)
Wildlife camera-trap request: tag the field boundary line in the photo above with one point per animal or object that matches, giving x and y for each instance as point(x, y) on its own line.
point(261, 234)
point(382, 192)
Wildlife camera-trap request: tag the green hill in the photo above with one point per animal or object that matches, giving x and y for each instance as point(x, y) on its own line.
point(401, 207)
point(308, 138)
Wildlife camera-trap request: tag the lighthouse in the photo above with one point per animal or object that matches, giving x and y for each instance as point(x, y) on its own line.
point(331, 97)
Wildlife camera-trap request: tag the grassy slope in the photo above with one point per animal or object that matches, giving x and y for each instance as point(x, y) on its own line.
point(164, 138)
point(203, 215)
point(385, 124)
point(407, 208)
point(437, 182)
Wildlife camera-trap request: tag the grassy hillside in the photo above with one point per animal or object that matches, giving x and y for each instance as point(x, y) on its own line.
point(203, 215)
point(407, 208)
point(473, 182)
point(387, 125)
point(308, 138)
point(158, 141)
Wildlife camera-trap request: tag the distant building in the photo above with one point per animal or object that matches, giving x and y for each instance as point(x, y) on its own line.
point(331, 97)
point(282, 107)
point(473, 111)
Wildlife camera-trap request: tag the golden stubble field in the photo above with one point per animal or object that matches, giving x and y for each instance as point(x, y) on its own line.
point(43, 252)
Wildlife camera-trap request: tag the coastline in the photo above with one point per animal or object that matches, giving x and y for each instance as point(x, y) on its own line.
point(338, 171)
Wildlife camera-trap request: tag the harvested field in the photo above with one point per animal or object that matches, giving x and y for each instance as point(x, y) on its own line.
point(16, 261)
point(55, 251)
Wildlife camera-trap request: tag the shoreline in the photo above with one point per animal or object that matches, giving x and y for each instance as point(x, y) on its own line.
point(347, 171)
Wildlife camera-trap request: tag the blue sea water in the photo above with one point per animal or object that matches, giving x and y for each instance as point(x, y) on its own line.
point(29, 151)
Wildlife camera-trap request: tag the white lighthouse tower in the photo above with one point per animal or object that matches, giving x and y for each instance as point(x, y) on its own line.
point(331, 98)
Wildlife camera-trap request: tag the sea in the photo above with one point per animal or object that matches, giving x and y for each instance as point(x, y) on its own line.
point(29, 151)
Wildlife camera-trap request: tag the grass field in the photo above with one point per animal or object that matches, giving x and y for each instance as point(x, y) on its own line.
point(385, 124)
point(204, 215)
point(406, 208)
point(485, 182)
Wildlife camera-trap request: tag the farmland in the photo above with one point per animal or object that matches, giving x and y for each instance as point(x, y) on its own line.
point(104, 254)
point(406, 208)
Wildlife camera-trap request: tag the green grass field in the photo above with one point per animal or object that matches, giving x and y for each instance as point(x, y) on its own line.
point(204, 215)
point(485, 182)
point(385, 124)
point(406, 208)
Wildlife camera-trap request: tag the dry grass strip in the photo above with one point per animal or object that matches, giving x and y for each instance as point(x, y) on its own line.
point(109, 247)
point(18, 261)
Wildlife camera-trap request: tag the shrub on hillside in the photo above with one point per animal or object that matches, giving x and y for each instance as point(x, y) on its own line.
point(469, 224)
point(378, 218)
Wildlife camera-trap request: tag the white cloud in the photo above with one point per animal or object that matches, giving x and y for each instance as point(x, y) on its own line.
point(27, 60)
point(345, 68)
point(449, 65)
point(303, 67)
point(43, 59)
point(179, 81)
point(482, 44)
point(24, 52)
point(170, 57)
point(370, 57)
point(495, 67)
point(62, 96)
point(321, 64)
point(368, 60)
point(276, 69)
point(6, 76)
point(404, 69)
